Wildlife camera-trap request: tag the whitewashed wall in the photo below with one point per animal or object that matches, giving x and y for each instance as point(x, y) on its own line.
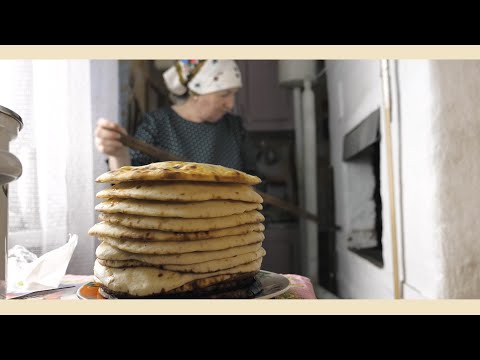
point(354, 89)
point(456, 154)
point(423, 274)
point(435, 131)
point(103, 100)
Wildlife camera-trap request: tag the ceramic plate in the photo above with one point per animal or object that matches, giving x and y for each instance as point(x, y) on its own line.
point(272, 285)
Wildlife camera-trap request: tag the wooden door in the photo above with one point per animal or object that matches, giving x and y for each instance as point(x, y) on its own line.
point(263, 104)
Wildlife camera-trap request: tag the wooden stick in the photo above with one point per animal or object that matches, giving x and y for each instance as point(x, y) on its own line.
point(273, 200)
point(148, 149)
point(163, 155)
point(391, 185)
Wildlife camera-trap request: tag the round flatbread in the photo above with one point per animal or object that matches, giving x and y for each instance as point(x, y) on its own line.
point(182, 225)
point(220, 264)
point(236, 286)
point(144, 281)
point(124, 263)
point(180, 247)
point(122, 232)
point(204, 267)
point(195, 210)
point(181, 191)
point(107, 252)
point(178, 170)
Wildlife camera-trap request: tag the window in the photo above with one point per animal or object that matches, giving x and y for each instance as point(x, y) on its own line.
point(362, 155)
point(59, 101)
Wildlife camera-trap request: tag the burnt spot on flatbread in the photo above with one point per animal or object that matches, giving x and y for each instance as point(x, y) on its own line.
point(238, 286)
point(173, 176)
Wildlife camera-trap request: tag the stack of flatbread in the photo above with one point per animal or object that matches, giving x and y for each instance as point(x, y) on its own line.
point(178, 229)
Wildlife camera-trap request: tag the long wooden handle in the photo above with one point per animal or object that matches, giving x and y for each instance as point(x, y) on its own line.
point(273, 200)
point(163, 155)
point(148, 149)
point(386, 86)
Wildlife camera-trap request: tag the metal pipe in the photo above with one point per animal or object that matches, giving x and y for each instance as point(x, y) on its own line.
point(310, 177)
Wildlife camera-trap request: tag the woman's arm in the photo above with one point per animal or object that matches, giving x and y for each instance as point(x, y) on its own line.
point(107, 142)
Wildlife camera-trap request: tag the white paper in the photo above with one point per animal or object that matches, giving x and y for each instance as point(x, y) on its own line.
point(45, 272)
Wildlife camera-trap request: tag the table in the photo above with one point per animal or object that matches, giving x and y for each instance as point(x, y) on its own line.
point(300, 288)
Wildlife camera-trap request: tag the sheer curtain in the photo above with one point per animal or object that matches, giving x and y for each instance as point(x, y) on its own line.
point(59, 101)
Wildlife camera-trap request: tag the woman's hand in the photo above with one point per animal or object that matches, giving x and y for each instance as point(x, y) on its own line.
point(108, 142)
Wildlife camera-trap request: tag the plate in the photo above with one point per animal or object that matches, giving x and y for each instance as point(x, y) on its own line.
point(272, 285)
point(89, 291)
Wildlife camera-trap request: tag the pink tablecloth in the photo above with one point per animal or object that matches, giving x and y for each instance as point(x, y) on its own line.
point(300, 288)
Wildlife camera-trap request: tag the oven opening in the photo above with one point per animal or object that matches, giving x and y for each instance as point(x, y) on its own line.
point(361, 154)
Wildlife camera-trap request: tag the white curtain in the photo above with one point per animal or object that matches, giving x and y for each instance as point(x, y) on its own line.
point(59, 101)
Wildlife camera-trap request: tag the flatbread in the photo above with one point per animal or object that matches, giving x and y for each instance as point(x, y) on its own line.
point(181, 191)
point(124, 263)
point(182, 225)
point(144, 281)
point(196, 210)
point(216, 265)
point(122, 232)
point(178, 170)
point(180, 247)
point(110, 253)
point(236, 286)
point(204, 267)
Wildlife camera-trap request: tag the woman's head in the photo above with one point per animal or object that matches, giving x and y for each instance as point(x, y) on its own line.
point(201, 77)
point(210, 85)
point(213, 106)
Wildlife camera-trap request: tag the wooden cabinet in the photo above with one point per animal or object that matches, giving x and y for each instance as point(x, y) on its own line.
point(262, 103)
point(141, 90)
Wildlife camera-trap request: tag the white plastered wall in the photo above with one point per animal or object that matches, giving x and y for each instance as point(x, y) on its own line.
point(435, 127)
point(455, 130)
point(101, 76)
point(354, 89)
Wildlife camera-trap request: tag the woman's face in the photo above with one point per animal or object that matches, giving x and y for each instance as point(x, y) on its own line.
point(213, 106)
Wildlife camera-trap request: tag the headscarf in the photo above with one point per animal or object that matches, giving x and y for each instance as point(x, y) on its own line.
point(201, 77)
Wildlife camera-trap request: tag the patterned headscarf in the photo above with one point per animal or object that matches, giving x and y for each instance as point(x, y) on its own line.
point(202, 76)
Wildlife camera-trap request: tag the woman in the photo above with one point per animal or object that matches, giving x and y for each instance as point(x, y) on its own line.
point(199, 128)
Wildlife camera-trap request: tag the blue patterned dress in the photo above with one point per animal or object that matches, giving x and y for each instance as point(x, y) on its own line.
point(220, 143)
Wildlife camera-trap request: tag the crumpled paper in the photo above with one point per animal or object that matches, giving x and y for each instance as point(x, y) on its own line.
point(26, 272)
